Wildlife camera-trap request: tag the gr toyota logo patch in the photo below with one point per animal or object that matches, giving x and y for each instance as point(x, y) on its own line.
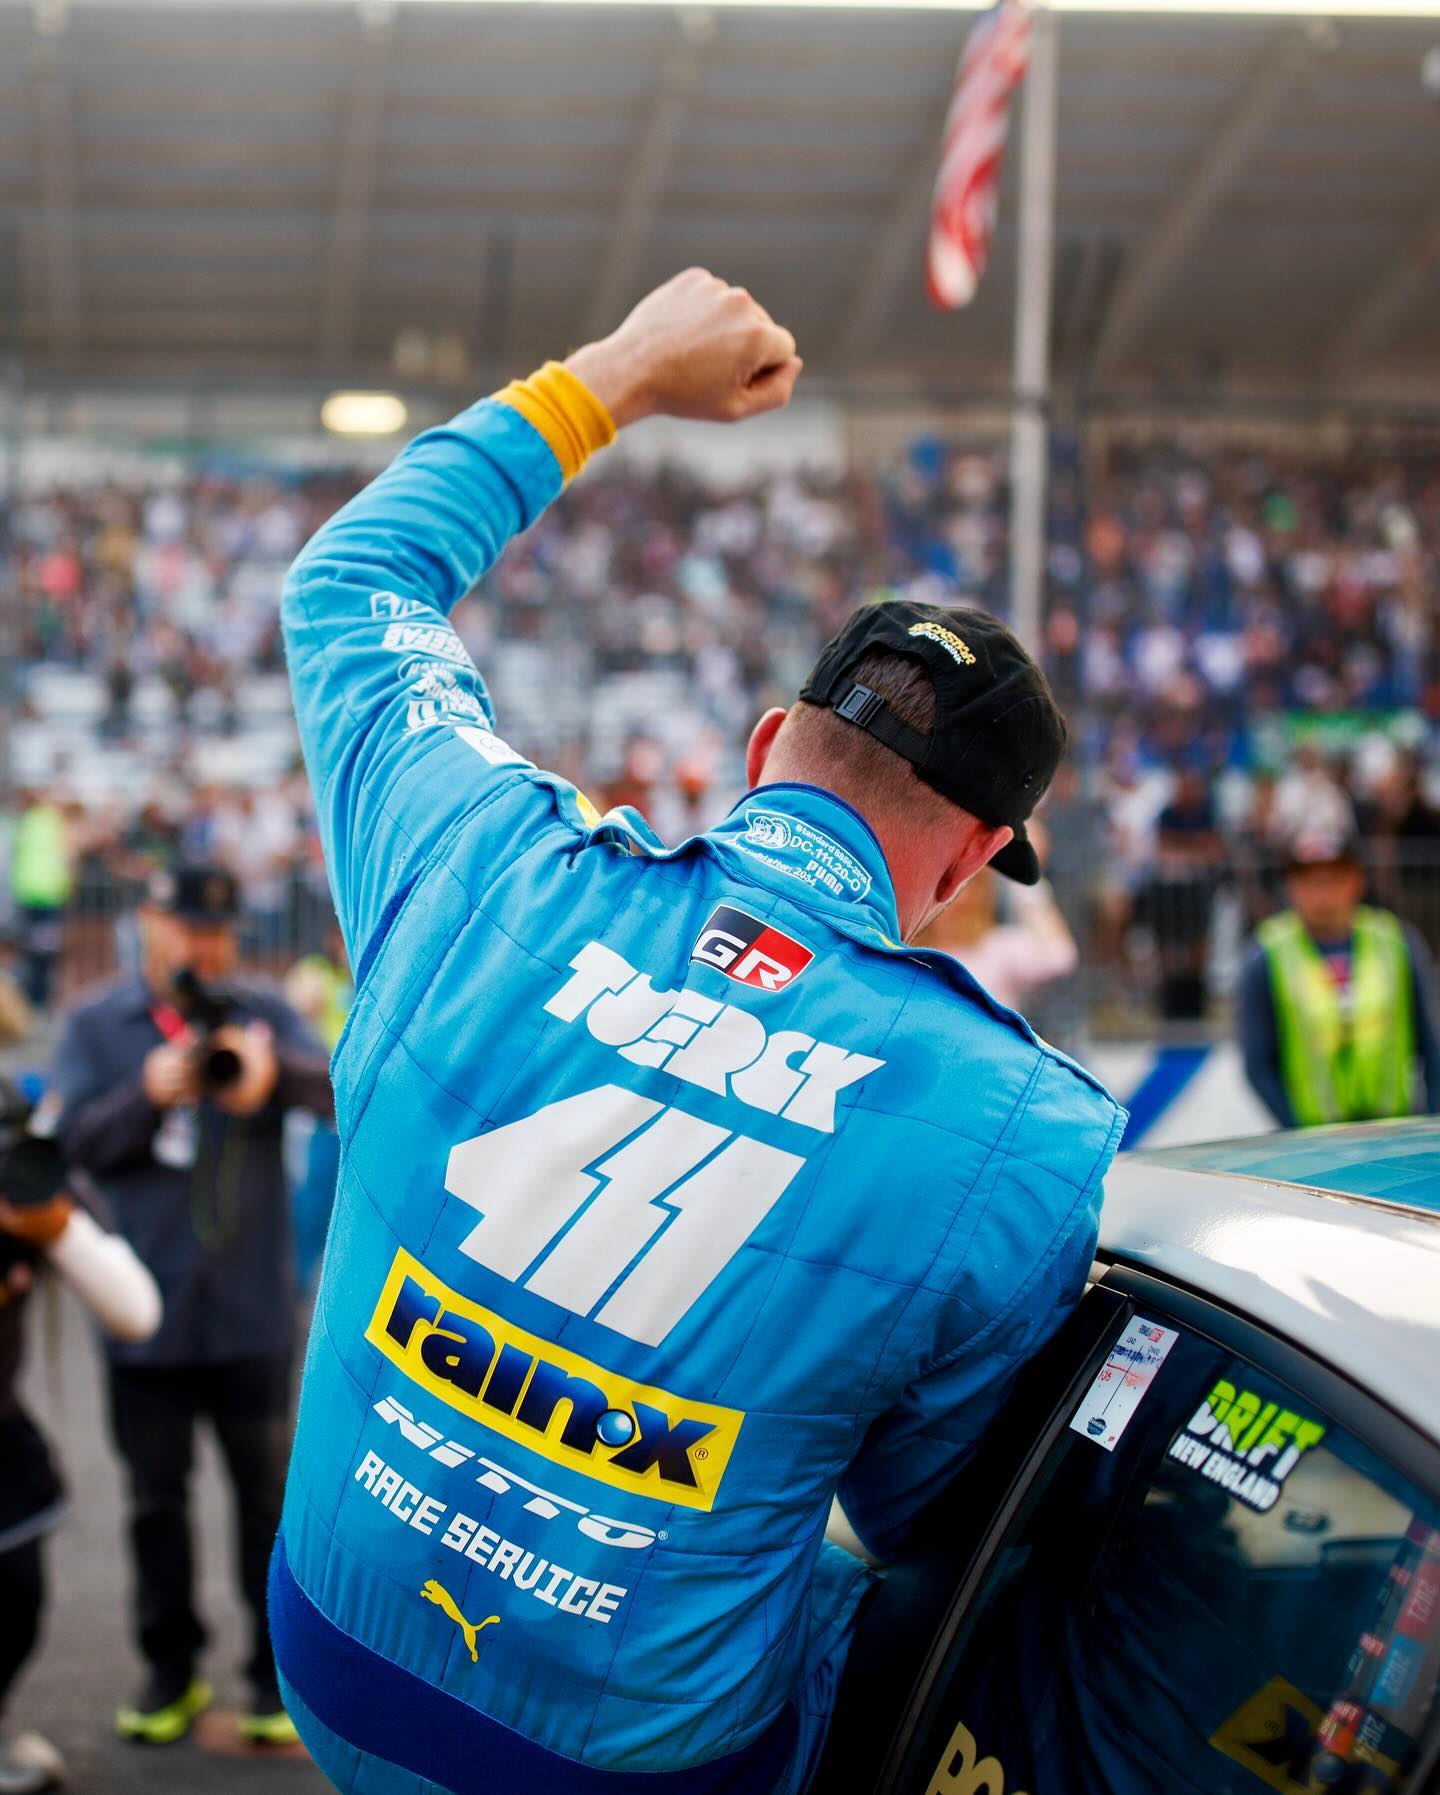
point(749, 951)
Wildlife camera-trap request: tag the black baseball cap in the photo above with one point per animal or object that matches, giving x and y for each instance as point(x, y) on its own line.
point(195, 892)
point(998, 735)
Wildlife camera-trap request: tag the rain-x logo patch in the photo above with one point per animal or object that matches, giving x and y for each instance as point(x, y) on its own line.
point(568, 1409)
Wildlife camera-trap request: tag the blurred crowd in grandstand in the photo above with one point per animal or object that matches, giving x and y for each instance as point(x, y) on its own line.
point(1243, 643)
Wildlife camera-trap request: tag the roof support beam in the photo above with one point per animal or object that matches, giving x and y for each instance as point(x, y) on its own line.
point(359, 156)
point(55, 249)
point(645, 182)
point(896, 253)
point(1387, 300)
point(1156, 259)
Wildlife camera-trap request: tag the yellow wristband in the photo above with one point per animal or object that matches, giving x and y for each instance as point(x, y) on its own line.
point(565, 412)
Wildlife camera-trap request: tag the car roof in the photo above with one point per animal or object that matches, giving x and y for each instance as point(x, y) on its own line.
point(1390, 1162)
point(1354, 1282)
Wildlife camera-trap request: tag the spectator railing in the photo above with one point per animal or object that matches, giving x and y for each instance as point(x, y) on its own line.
point(1159, 959)
point(99, 933)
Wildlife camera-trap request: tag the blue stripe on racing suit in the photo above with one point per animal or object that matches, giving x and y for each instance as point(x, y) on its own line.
point(388, 1713)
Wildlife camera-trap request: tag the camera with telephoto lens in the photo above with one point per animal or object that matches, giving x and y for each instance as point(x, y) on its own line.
point(32, 1170)
point(208, 1009)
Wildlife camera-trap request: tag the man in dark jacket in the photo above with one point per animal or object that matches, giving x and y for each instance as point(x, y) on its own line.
point(174, 1090)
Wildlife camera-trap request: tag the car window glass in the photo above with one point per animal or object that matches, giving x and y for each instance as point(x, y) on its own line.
point(1225, 1593)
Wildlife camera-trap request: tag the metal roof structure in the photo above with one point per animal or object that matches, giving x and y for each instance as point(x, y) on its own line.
point(1353, 1281)
point(292, 193)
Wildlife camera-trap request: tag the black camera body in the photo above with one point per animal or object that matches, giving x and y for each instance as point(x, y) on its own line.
point(32, 1170)
point(207, 1009)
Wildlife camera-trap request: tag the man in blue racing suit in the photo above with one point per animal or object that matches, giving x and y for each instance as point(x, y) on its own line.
point(678, 1194)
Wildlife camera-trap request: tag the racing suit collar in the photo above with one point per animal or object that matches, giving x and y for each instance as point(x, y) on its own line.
point(789, 834)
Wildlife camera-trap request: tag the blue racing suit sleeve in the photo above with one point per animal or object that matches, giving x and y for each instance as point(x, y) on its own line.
point(913, 1451)
point(395, 721)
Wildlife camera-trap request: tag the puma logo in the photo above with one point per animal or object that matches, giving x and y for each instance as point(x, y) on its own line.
point(442, 1598)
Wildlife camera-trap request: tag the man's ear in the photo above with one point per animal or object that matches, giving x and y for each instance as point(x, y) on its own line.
point(762, 739)
point(976, 847)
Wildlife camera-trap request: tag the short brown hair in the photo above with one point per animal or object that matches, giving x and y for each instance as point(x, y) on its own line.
point(823, 749)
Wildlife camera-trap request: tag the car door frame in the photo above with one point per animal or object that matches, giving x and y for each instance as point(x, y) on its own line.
point(929, 1589)
point(1361, 1412)
point(885, 1677)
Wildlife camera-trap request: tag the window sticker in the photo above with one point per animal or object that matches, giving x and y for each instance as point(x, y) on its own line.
point(1362, 1742)
point(1280, 1736)
point(1247, 1444)
point(1120, 1385)
point(962, 1771)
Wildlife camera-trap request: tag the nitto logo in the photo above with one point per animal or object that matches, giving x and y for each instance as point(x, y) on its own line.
point(568, 1409)
point(749, 951)
point(628, 1535)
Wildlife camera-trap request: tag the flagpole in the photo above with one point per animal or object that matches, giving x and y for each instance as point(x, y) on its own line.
point(1029, 427)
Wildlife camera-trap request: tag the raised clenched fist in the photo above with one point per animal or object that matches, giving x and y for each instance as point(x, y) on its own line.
point(694, 348)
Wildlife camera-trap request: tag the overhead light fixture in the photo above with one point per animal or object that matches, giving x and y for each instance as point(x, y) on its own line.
point(364, 414)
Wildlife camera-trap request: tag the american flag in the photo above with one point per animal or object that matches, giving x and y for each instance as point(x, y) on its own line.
point(962, 214)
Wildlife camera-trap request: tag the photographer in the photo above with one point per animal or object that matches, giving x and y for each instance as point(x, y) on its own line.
point(174, 1089)
point(41, 1226)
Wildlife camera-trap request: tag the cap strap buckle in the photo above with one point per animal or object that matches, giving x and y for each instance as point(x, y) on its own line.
point(869, 711)
point(860, 705)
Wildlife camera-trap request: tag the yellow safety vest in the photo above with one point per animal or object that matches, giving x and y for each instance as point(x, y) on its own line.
point(40, 870)
point(1340, 1067)
point(338, 994)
